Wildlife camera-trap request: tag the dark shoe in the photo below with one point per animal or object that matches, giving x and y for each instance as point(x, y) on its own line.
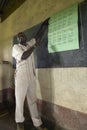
point(20, 126)
point(41, 128)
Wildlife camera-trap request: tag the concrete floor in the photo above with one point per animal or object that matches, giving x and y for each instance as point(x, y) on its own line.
point(7, 122)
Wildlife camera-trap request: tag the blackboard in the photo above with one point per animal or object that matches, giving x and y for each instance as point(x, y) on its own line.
point(72, 58)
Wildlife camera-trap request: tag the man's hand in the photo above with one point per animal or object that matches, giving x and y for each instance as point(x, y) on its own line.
point(27, 53)
point(41, 31)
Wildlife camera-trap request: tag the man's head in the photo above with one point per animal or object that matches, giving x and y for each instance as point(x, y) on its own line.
point(21, 38)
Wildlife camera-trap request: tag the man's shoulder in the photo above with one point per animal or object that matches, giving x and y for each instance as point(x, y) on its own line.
point(16, 46)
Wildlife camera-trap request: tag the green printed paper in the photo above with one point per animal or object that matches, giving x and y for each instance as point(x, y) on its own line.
point(63, 30)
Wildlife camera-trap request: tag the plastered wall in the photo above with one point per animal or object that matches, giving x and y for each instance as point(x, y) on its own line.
point(66, 87)
point(6, 69)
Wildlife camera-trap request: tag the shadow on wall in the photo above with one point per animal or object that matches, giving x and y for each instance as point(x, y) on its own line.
point(44, 79)
point(45, 84)
point(47, 94)
point(46, 105)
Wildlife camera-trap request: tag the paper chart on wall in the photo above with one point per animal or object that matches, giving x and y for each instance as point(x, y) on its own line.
point(63, 30)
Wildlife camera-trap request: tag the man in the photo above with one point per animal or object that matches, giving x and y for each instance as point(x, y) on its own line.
point(25, 85)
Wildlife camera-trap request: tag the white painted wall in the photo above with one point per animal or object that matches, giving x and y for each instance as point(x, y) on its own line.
point(63, 86)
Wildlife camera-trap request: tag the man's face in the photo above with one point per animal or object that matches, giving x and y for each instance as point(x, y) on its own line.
point(22, 38)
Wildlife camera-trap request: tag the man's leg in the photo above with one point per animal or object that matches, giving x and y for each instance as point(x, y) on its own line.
point(20, 93)
point(20, 97)
point(31, 99)
point(33, 110)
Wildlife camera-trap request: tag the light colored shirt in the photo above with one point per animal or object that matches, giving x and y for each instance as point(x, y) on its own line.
point(26, 66)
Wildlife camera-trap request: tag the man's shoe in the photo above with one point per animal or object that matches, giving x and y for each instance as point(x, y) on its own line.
point(41, 128)
point(20, 126)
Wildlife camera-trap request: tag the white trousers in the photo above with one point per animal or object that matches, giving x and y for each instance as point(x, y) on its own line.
point(24, 88)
